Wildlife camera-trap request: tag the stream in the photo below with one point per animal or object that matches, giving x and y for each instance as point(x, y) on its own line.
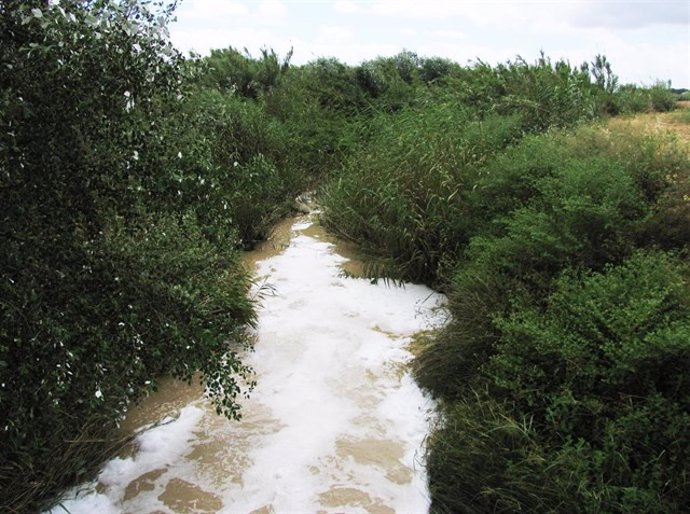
point(335, 424)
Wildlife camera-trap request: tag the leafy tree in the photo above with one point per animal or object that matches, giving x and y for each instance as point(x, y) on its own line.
point(433, 69)
point(106, 282)
point(333, 84)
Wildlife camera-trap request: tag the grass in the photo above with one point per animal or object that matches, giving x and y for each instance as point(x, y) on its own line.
point(401, 193)
point(682, 115)
point(674, 124)
point(76, 458)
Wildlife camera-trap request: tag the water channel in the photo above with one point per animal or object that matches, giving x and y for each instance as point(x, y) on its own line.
point(335, 424)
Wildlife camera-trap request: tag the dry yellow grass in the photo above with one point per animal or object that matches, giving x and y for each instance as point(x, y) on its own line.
point(677, 121)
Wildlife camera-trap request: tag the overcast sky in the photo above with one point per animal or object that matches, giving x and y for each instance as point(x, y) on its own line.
point(645, 40)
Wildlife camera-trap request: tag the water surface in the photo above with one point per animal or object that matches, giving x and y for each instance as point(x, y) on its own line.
point(335, 424)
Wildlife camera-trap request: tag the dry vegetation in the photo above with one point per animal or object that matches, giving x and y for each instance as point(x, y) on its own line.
point(675, 122)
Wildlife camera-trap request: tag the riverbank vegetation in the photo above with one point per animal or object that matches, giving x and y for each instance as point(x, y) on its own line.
point(131, 178)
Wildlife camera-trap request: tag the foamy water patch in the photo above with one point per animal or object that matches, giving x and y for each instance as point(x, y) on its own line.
point(335, 424)
point(156, 448)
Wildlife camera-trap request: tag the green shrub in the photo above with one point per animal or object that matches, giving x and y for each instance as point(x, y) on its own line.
point(231, 71)
point(605, 363)
point(389, 82)
point(632, 99)
point(510, 180)
point(435, 69)
point(543, 94)
point(582, 214)
point(483, 460)
point(629, 99)
point(651, 159)
point(100, 326)
point(669, 224)
point(662, 98)
point(576, 212)
point(585, 406)
point(316, 139)
point(334, 85)
point(584, 367)
point(235, 169)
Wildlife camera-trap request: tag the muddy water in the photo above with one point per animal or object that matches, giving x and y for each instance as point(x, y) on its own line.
point(336, 423)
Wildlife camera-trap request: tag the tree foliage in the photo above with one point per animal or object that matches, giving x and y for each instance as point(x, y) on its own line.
point(107, 279)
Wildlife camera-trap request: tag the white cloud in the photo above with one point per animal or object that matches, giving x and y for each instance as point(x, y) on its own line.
point(633, 14)
point(273, 8)
point(642, 44)
point(250, 38)
point(449, 34)
point(478, 11)
point(346, 7)
point(333, 34)
point(203, 10)
point(414, 9)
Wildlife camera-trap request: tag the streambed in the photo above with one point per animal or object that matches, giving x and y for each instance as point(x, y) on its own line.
point(335, 424)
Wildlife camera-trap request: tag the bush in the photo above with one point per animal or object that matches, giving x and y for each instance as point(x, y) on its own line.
point(669, 224)
point(543, 94)
point(235, 169)
point(435, 69)
point(316, 139)
point(389, 83)
point(401, 191)
point(510, 180)
point(334, 85)
point(230, 71)
point(537, 209)
point(99, 297)
point(586, 406)
point(407, 195)
point(662, 98)
point(605, 363)
point(631, 99)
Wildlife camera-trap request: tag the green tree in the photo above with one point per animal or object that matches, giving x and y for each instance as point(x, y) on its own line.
point(105, 282)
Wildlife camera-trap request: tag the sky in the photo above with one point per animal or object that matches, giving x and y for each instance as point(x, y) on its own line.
point(644, 40)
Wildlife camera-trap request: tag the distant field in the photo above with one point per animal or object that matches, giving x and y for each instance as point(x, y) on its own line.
point(677, 121)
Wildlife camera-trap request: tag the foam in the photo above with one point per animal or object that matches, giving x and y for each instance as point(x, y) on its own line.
point(330, 362)
point(156, 447)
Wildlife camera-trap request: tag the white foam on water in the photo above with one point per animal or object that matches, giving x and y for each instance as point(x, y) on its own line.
point(156, 447)
point(336, 423)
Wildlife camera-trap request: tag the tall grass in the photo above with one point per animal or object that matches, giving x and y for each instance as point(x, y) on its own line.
point(563, 256)
point(401, 194)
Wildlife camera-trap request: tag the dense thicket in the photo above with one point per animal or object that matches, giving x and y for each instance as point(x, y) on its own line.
point(119, 234)
point(130, 177)
point(562, 369)
point(568, 336)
